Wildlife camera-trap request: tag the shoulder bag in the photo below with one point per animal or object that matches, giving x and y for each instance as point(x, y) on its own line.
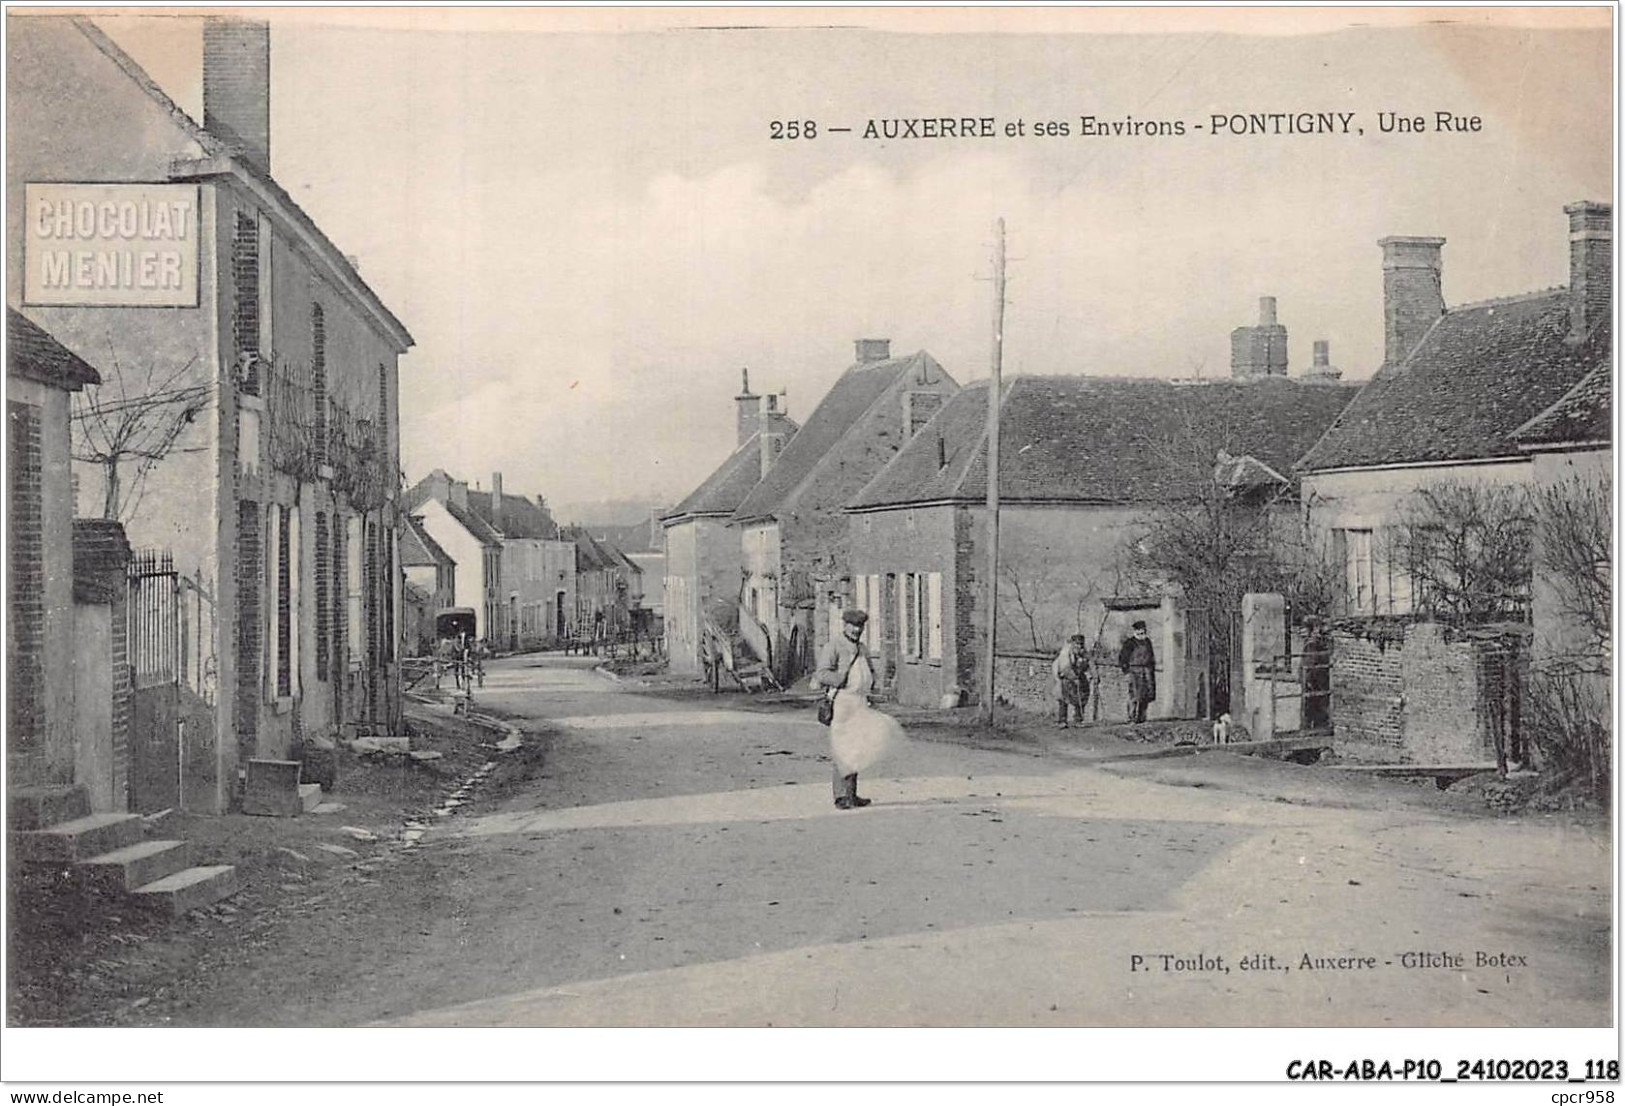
point(826, 705)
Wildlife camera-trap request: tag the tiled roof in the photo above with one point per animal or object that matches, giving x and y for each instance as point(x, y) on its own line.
point(725, 489)
point(415, 594)
point(1584, 414)
point(521, 517)
point(32, 352)
point(419, 548)
point(1104, 439)
point(473, 523)
point(1481, 372)
point(630, 538)
point(813, 447)
point(590, 554)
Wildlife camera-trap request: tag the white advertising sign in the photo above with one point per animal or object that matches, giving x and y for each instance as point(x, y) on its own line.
point(110, 245)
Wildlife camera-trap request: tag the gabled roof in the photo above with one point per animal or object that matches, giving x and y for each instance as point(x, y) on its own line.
point(419, 548)
point(724, 490)
point(221, 160)
point(1105, 440)
point(1479, 374)
point(814, 448)
point(628, 538)
point(32, 352)
point(473, 523)
point(591, 555)
point(1585, 415)
point(521, 517)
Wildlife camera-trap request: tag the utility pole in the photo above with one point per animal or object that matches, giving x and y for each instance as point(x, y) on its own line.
point(990, 586)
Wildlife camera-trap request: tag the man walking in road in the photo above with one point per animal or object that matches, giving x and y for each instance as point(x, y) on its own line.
point(1139, 661)
point(859, 735)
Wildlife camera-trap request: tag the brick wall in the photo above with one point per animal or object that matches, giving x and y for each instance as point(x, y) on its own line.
point(236, 86)
point(1420, 692)
point(25, 626)
point(123, 689)
point(250, 570)
point(1368, 691)
point(245, 283)
point(1022, 680)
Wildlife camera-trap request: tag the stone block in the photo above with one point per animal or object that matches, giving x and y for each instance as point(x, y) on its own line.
point(273, 789)
point(135, 865)
point(189, 889)
point(68, 842)
point(36, 808)
point(320, 763)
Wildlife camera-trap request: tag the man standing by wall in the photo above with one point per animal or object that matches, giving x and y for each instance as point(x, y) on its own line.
point(1139, 660)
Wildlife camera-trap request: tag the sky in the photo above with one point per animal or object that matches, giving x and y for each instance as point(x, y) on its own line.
point(590, 234)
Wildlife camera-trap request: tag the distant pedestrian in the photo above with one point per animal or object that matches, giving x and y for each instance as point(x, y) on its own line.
point(859, 735)
point(1138, 660)
point(1069, 686)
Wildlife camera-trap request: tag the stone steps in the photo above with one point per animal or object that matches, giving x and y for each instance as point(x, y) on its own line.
point(133, 866)
point(109, 855)
point(188, 889)
point(75, 840)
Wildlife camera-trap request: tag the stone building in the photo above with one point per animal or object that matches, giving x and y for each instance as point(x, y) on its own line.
point(431, 586)
point(242, 321)
point(1570, 445)
point(1081, 461)
point(1455, 386)
point(793, 535)
point(703, 558)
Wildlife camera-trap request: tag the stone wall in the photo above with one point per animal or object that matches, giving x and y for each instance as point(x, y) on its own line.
point(1422, 693)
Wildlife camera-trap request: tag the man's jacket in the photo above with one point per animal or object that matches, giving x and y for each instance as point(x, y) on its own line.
point(1136, 653)
point(835, 662)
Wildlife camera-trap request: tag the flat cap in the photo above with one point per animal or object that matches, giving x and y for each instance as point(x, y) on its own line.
point(854, 617)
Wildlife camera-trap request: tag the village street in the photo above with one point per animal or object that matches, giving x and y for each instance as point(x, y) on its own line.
point(680, 863)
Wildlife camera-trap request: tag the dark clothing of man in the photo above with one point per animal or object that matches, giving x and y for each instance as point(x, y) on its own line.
point(1138, 660)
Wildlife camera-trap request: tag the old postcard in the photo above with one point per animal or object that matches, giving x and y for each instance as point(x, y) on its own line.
point(1097, 519)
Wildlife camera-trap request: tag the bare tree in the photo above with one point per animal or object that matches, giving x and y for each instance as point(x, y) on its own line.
point(1574, 521)
point(130, 423)
point(1467, 550)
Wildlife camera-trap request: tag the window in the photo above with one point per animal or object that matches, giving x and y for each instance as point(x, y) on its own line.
point(1361, 590)
point(934, 615)
point(354, 579)
point(913, 614)
point(877, 615)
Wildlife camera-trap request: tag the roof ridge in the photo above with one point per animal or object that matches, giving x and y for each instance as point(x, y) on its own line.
point(1498, 301)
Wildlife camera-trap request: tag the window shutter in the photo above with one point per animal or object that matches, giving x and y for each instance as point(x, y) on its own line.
point(934, 603)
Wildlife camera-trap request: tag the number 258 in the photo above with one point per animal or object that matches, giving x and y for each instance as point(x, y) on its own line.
point(793, 128)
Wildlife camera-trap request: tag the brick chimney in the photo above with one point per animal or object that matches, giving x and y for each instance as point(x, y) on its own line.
point(496, 502)
point(871, 350)
point(749, 408)
point(774, 431)
point(1412, 293)
point(1591, 263)
point(1322, 370)
point(1259, 350)
point(237, 87)
point(457, 492)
